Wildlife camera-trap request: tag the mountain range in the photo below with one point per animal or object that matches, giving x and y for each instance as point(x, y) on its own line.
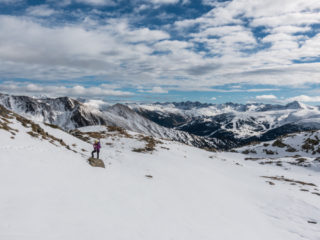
point(234, 124)
point(68, 114)
point(218, 126)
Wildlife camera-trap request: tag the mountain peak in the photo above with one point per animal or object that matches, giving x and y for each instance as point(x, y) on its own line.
point(121, 108)
point(295, 105)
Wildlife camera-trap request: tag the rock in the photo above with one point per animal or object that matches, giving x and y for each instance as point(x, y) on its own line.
point(271, 183)
point(312, 222)
point(94, 162)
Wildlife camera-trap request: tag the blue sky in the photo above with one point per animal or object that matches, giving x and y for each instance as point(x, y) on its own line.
point(162, 50)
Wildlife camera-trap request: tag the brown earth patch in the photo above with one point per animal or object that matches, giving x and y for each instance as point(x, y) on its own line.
point(120, 130)
point(150, 144)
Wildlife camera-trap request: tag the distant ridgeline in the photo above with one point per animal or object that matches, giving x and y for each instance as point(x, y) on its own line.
point(211, 126)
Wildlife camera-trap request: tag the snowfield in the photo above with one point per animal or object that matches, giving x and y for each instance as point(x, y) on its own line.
point(49, 191)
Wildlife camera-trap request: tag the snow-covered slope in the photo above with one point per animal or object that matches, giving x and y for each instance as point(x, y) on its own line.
point(167, 191)
point(69, 114)
point(305, 144)
point(299, 149)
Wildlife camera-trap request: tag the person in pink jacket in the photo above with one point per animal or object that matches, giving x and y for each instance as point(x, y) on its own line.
point(96, 148)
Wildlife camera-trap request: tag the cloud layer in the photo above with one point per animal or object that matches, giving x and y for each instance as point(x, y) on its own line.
point(255, 42)
point(99, 91)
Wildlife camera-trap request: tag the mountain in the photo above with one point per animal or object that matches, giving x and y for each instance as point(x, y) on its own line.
point(219, 126)
point(69, 114)
point(237, 124)
point(64, 112)
point(149, 189)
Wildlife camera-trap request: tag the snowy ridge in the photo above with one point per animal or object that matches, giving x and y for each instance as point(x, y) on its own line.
point(69, 114)
point(221, 126)
point(64, 112)
point(175, 191)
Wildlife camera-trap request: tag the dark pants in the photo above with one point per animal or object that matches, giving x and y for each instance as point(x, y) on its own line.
point(97, 151)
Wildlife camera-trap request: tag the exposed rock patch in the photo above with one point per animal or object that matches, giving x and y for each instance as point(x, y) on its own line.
point(94, 162)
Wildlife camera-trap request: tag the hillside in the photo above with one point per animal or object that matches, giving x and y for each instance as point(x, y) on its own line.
point(302, 149)
point(149, 189)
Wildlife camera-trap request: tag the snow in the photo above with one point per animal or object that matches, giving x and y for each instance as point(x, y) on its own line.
point(50, 192)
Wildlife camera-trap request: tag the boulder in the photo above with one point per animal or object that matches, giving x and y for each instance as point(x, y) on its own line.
point(94, 162)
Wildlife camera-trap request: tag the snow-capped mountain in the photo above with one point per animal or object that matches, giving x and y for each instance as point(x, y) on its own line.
point(69, 114)
point(236, 123)
point(149, 189)
point(221, 126)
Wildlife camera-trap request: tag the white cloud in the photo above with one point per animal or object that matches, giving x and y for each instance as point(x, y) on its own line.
point(141, 7)
point(298, 18)
point(261, 89)
point(41, 11)
point(164, 1)
point(214, 3)
point(97, 104)
point(117, 50)
point(224, 34)
point(98, 2)
point(152, 90)
point(123, 30)
point(33, 88)
point(290, 29)
point(158, 90)
point(213, 98)
point(304, 98)
point(40, 52)
point(56, 91)
point(266, 97)
point(237, 89)
point(115, 2)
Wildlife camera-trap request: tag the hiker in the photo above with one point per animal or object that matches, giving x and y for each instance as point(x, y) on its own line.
point(96, 148)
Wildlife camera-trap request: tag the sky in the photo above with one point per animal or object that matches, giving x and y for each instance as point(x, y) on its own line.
point(162, 50)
